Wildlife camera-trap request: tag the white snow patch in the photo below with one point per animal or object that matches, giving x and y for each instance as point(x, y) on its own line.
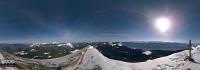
point(70, 45)
point(90, 47)
point(74, 51)
point(49, 56)
point(112, 44)
point(46, 53)
point(21, 53)
point(119, 44)
point(32, 50)
point(35, 56)
point(147, 52)
point(66, 44)
point(55, 42)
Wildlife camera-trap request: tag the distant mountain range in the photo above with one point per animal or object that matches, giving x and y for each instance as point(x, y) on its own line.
point(156, 45)
point(124, 51)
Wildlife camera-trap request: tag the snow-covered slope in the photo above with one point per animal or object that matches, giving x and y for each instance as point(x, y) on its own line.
point(94, 60)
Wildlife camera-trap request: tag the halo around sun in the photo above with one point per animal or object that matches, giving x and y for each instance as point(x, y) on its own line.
point(163, 24)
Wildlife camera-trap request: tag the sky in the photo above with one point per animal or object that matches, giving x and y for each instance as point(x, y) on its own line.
point(97, 20)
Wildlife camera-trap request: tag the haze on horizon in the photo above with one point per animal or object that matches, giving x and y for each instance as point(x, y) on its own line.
point(97, 20)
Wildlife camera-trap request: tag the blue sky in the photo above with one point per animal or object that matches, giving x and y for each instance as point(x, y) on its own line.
point(97, 20)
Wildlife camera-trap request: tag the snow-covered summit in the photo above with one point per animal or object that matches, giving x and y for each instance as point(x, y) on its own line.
point(93, 59)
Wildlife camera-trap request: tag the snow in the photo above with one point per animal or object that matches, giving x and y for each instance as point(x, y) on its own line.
point(74, 51)
point(55, 42)
point(6, 68)
point(66, 44)
point(49, 56)
point(112, 44)
point(34, 44)
point(119, 44)
point(45, 53)
point(32, 50)
point(90, 58)
point(147, 53)
point(37, 44)
point(36, 56)
point(94, 59)
point(70, 45)
point(90, 47)
point(196, 54)
point(21, 53)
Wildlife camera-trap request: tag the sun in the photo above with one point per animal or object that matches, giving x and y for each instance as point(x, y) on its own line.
point(163, 24)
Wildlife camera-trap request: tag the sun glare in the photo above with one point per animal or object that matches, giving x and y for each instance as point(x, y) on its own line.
point(163, 24)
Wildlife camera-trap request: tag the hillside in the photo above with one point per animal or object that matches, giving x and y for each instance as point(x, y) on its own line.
point(124, 53)
point(90, 58)
point(95, 60)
